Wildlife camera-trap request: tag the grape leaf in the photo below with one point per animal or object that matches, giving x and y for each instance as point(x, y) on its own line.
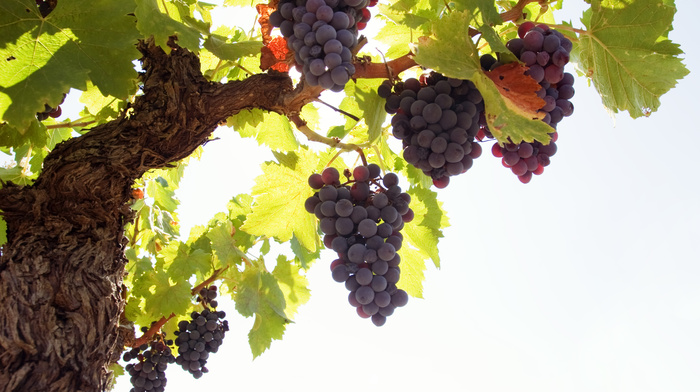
point(294, 286)
point(451, 52)
point(267, 128)
point(258, 294)
point(302, 254)
point(280, 193)
point(163, 23)
point(626, 53)
point(44, 57)
point(485, 11)
point(424, 231)
point(170, 295)
point(412, 270)
point(364, 91)
point(224, 244)
point(231, 50)
point(183, 262)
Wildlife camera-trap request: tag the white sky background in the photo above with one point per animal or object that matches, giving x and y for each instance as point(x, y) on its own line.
point(586, 279)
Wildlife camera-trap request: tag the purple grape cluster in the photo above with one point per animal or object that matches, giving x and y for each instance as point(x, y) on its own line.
point(436, 119)
point(200, 336)
point(148, 373)
point(362, 219)
point(545, 51)
point(322, 34)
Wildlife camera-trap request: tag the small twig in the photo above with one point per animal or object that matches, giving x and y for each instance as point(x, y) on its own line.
point(385, 70)
point(362, 156)
point(155, 328)
point(352, 116)
point(71, 124)
point(315, 137)
point(206, 283)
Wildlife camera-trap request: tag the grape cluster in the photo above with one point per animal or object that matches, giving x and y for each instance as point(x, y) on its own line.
point(322, 34)
point(50, 112)
point(148, 373)
point(436, 121)
point(545, 51)
point(362, 220)
point(198, 337)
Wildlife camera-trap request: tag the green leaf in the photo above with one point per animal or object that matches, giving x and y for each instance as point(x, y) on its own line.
point(280, 193)
point(424, 231)
point(258, 294)
point(163, 196)
point(224, 50)
point(181, 262)
point(224, 244)
point(267, 128)
point(103, 108)
point(412, 270)
point(397, 37)
point(164, 19)
point(451, 52)
point(372, 105)
point(302, 254)
point(44, 57)
point(170, 295)
point(484, 11)
point(626, 53)
point(293, 284)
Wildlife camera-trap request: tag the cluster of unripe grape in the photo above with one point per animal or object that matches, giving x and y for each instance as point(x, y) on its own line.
point(322, 34)
point(362, 218)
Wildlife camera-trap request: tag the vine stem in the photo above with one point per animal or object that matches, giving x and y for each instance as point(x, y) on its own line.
point(315, 137)
point(387, 70)
point(148, 335)
point(206, 283)
point(77, 123)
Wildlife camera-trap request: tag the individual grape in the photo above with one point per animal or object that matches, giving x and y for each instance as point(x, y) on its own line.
point(364, 276)
point(364, 295)
point(330, 176)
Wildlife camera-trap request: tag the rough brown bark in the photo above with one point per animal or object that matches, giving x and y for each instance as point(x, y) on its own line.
point(62, 267)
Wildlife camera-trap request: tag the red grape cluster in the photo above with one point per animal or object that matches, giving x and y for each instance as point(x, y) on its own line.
point(362, 219)
point(545, 51)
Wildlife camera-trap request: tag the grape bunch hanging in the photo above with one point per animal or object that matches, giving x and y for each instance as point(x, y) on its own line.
point(545, 51)
point(436, 121)
point(148, 372)
point(322, 34)
point(201, 335)
point(362, 220)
